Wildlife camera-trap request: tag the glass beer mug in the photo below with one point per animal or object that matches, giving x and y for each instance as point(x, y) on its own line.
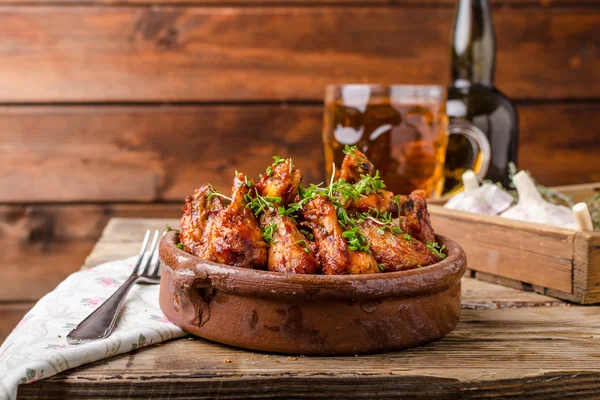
point(403, 130)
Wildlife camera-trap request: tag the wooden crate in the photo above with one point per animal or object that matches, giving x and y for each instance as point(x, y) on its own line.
point(558, 262)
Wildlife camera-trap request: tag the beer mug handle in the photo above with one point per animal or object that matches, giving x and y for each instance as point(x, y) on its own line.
point(479, 143)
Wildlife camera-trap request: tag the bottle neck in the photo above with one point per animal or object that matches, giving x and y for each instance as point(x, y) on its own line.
point(473, 44)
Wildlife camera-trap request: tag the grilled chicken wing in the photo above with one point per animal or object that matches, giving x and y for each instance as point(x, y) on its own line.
point(290, 251)
point(233, 236)
point(199, 209)
point(382, 201)
point(354, 165)
point(333, 252)
point(393, 251)
point(414, 217)
point(362, 262)
point(282, 182)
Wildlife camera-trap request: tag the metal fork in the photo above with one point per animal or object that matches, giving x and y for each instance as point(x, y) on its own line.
point(100, 323)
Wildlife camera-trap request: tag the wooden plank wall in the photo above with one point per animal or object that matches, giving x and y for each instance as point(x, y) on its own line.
point(122, 107)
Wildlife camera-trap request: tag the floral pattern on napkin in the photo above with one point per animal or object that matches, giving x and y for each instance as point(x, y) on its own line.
point(37, 348)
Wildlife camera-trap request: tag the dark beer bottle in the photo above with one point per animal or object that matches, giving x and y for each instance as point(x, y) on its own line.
point(473, 97)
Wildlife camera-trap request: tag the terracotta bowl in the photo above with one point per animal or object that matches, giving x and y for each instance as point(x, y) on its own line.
point(311, 314)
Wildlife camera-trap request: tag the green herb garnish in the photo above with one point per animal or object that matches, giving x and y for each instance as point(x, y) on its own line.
point(594, 207)
point(349, 149)
point(304, 244)
point(436, 249)
point(261, 203)
point(307, 234)
point(212, 192)
point(180, 246)
point(409, 238)
point(169, 229)
point(369, 184)
point(356, 240)
point(381, 267)
point(268, 232)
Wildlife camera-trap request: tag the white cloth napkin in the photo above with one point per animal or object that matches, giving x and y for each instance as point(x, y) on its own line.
point(37, 347)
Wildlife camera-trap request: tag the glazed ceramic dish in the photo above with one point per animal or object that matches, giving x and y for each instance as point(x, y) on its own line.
point(311, 314)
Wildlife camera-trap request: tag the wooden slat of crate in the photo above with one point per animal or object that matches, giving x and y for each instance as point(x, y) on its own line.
point(98, 54)
point(586, 267)
point(510, 249)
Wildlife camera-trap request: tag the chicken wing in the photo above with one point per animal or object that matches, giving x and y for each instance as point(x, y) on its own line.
point(354, 165)
point(233, 236)
point(199, 209)
point(382, 201)
point(290, 251)
point(333, 252)
point(394, 252)
point(281, 181)
point(414, 217)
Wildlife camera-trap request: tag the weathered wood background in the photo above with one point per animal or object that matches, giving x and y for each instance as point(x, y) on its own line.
point(122, 107)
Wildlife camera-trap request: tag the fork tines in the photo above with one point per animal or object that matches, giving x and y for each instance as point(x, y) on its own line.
point(148, 262)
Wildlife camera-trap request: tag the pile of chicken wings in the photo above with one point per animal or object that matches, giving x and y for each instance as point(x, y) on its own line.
point(352, 226)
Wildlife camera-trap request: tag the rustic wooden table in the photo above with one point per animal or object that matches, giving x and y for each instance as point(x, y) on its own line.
point(508, 344)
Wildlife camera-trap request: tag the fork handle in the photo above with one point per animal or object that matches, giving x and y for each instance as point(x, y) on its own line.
point(100, 323)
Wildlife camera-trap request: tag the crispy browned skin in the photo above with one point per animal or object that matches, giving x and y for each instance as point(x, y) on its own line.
point(233, 236)
point(333, 253)
point(362, 262)
point(393, 251)
point(382, 201)
point(290, 251)
point(281, 183)
point(199, 209)
point(354, 165)
point(414, 217)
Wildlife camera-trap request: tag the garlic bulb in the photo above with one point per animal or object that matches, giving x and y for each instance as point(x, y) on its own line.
point(484, 199)
point(533, 208)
